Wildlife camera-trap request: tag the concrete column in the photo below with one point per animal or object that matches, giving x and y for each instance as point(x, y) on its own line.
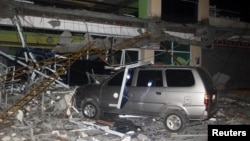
point(154, 9)
point(147, 55)
point(196, 54)
point(149, 9)
point(203, 10)
point(203, 16)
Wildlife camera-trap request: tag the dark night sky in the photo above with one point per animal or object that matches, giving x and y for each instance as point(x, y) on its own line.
point(240, 6)
point(185, 11)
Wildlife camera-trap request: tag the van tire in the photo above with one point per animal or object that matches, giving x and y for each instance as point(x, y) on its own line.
point(174, 120)
point(90, 109)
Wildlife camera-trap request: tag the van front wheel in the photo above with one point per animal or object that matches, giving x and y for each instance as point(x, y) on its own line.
point(174, 120)
point(90, 109)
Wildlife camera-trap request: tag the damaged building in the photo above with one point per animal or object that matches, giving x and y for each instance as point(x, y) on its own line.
point(51, 48)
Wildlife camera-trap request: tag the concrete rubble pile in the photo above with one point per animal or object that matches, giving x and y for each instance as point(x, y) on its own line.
point(234, 108)
point(52, 117)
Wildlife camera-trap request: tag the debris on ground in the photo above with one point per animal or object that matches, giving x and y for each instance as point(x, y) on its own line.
point(52, 117)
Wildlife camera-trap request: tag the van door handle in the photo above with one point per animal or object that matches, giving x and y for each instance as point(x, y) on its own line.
point(158, 93)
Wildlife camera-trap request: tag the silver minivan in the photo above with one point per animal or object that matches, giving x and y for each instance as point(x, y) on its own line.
point(176, 94)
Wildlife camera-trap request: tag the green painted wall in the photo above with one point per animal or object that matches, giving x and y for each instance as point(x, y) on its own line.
point(41, 40)
point(143, 9)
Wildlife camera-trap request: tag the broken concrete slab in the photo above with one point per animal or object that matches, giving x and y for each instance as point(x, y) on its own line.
point(220, 80)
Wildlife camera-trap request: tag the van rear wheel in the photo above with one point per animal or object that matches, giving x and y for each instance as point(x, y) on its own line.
point(174, 120)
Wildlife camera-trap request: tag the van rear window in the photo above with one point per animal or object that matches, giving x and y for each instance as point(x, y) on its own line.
point(179, 78)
